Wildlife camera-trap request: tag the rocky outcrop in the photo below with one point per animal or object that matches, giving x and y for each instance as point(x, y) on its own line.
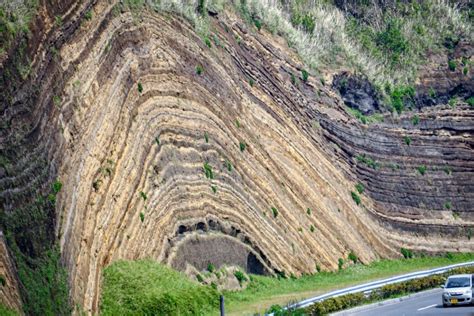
point(167, 148)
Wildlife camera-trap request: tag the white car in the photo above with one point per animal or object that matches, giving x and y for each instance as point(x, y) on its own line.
point(458, 290)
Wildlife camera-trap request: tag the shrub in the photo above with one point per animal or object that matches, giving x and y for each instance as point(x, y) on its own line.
point(470, 101)
point(201, 8)
point(392, 41)
point(140, 87)
point(57, 185)
point(275, 212)
point(142, 216)
point(452, 65)
point(355, 197)
point(304, 75)
point(240, 276)
point(415, 119)
point(211, 268)
point(258, 24)
point(407, 254)
point(340, 263)
point(242, 146)
point(208, 171)
point(368, 161)
point(199, 70)
point(421, 169)
point(360, 188)
point(407, 140)
point(207, 41)
point(400, 96)
point(353, 257)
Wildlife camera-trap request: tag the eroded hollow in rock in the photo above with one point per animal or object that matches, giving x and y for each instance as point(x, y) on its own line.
point(200, 250)
point(211, 242)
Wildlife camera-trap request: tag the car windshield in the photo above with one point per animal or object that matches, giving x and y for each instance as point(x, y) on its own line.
point(458, 282)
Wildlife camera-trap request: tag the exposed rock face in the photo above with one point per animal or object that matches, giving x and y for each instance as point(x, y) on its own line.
point(9, 294)
point(169, 149)
point(357, 93)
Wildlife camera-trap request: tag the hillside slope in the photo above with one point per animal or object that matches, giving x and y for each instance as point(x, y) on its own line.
point(162, 145)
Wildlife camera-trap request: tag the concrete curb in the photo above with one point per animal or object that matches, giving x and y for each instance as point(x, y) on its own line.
point(383, 303)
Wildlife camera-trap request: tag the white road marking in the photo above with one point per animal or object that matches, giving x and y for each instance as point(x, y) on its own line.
point(423, 308)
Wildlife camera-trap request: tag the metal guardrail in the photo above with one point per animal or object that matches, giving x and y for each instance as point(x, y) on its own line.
point(368, 287)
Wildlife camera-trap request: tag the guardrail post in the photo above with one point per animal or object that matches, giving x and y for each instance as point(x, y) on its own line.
point(222, 304)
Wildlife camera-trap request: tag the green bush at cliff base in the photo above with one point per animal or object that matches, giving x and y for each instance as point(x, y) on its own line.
point(146, 287)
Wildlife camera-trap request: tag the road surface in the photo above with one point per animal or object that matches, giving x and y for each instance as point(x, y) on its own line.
point(424, 303)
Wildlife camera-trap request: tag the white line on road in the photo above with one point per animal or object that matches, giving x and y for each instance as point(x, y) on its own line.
point(423, 308)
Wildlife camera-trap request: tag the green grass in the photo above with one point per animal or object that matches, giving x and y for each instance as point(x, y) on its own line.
point(5, 311)
point(262, 292)
point(146, 287)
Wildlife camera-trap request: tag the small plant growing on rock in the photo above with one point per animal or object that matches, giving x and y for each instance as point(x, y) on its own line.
point(308, 211)
point(214, 188)
point(208, 171)
point(447, 170)
point(447, 205)
point(340, 263)
point(455, 214)
point(88, 15)
point(421, 169)
point(142, 216)
point(275, 212)
point(355, 197)
point(57, 101)
point(293, 79)
point(360, 188)
point(199, 278)
point(318, 268)
point(140, 87)
point(157, 140)
point(407, 254)
point(353, 257)
point(242, 146)
point(304, 75)
point(465, 70)
point(228, 165)
point(452, 65)
point(415, 119)
point(237, 123)
point(469, 233)
point(251, 82)
point(311, 228)
point(3, 281)
point(407, 140)
point(199, 70)
point(206, 137)
point(143, 195)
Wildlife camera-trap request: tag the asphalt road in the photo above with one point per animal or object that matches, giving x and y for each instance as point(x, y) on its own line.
point(424, 303)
